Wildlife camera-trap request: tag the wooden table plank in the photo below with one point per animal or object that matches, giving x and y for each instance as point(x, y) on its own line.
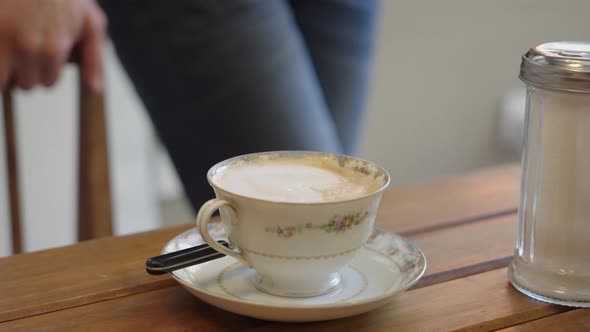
point(466, 198)
point(456, 252)
point(484, 301)
point(113, 267)
point(87, 272)
point(575, 320)
point(459, 256)
point(171, 308)
point(451, 248)
point(110, 268)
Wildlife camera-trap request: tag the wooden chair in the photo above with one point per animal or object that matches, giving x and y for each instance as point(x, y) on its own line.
point(94, 203)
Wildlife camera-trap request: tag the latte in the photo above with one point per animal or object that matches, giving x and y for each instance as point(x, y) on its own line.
point(296, 180)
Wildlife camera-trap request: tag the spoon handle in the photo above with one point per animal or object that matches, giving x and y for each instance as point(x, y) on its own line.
point(179, 259)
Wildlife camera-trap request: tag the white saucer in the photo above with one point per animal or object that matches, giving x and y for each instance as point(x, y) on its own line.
point(386, 266)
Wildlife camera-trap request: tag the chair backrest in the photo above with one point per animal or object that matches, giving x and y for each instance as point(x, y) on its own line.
point(94, 199)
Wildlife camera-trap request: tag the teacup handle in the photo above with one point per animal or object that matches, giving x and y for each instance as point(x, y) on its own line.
point(203, 219)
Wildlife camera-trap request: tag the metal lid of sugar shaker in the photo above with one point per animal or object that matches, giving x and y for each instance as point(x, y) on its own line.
point(562, 66)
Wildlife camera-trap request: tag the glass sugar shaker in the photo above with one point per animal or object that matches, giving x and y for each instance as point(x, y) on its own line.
point(552, 257)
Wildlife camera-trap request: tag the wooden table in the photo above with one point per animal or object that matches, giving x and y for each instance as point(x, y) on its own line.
point(465, 225)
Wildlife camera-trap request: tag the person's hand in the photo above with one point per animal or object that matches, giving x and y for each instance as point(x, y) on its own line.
point(37, 36)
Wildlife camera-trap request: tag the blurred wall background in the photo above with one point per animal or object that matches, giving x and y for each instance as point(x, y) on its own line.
point(445, 99)
point(444, 69)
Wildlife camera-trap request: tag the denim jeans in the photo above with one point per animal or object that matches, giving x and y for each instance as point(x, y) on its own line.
point(224, 78)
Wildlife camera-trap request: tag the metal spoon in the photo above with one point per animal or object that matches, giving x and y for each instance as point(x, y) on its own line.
point(180, 259)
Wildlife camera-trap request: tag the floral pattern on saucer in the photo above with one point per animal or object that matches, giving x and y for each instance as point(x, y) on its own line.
point(401, 251)
point(385, 267)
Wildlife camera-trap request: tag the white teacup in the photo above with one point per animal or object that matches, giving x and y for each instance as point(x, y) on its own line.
point(296, 217)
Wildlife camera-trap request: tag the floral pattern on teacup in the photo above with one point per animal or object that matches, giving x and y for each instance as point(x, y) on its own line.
point(337, 224)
